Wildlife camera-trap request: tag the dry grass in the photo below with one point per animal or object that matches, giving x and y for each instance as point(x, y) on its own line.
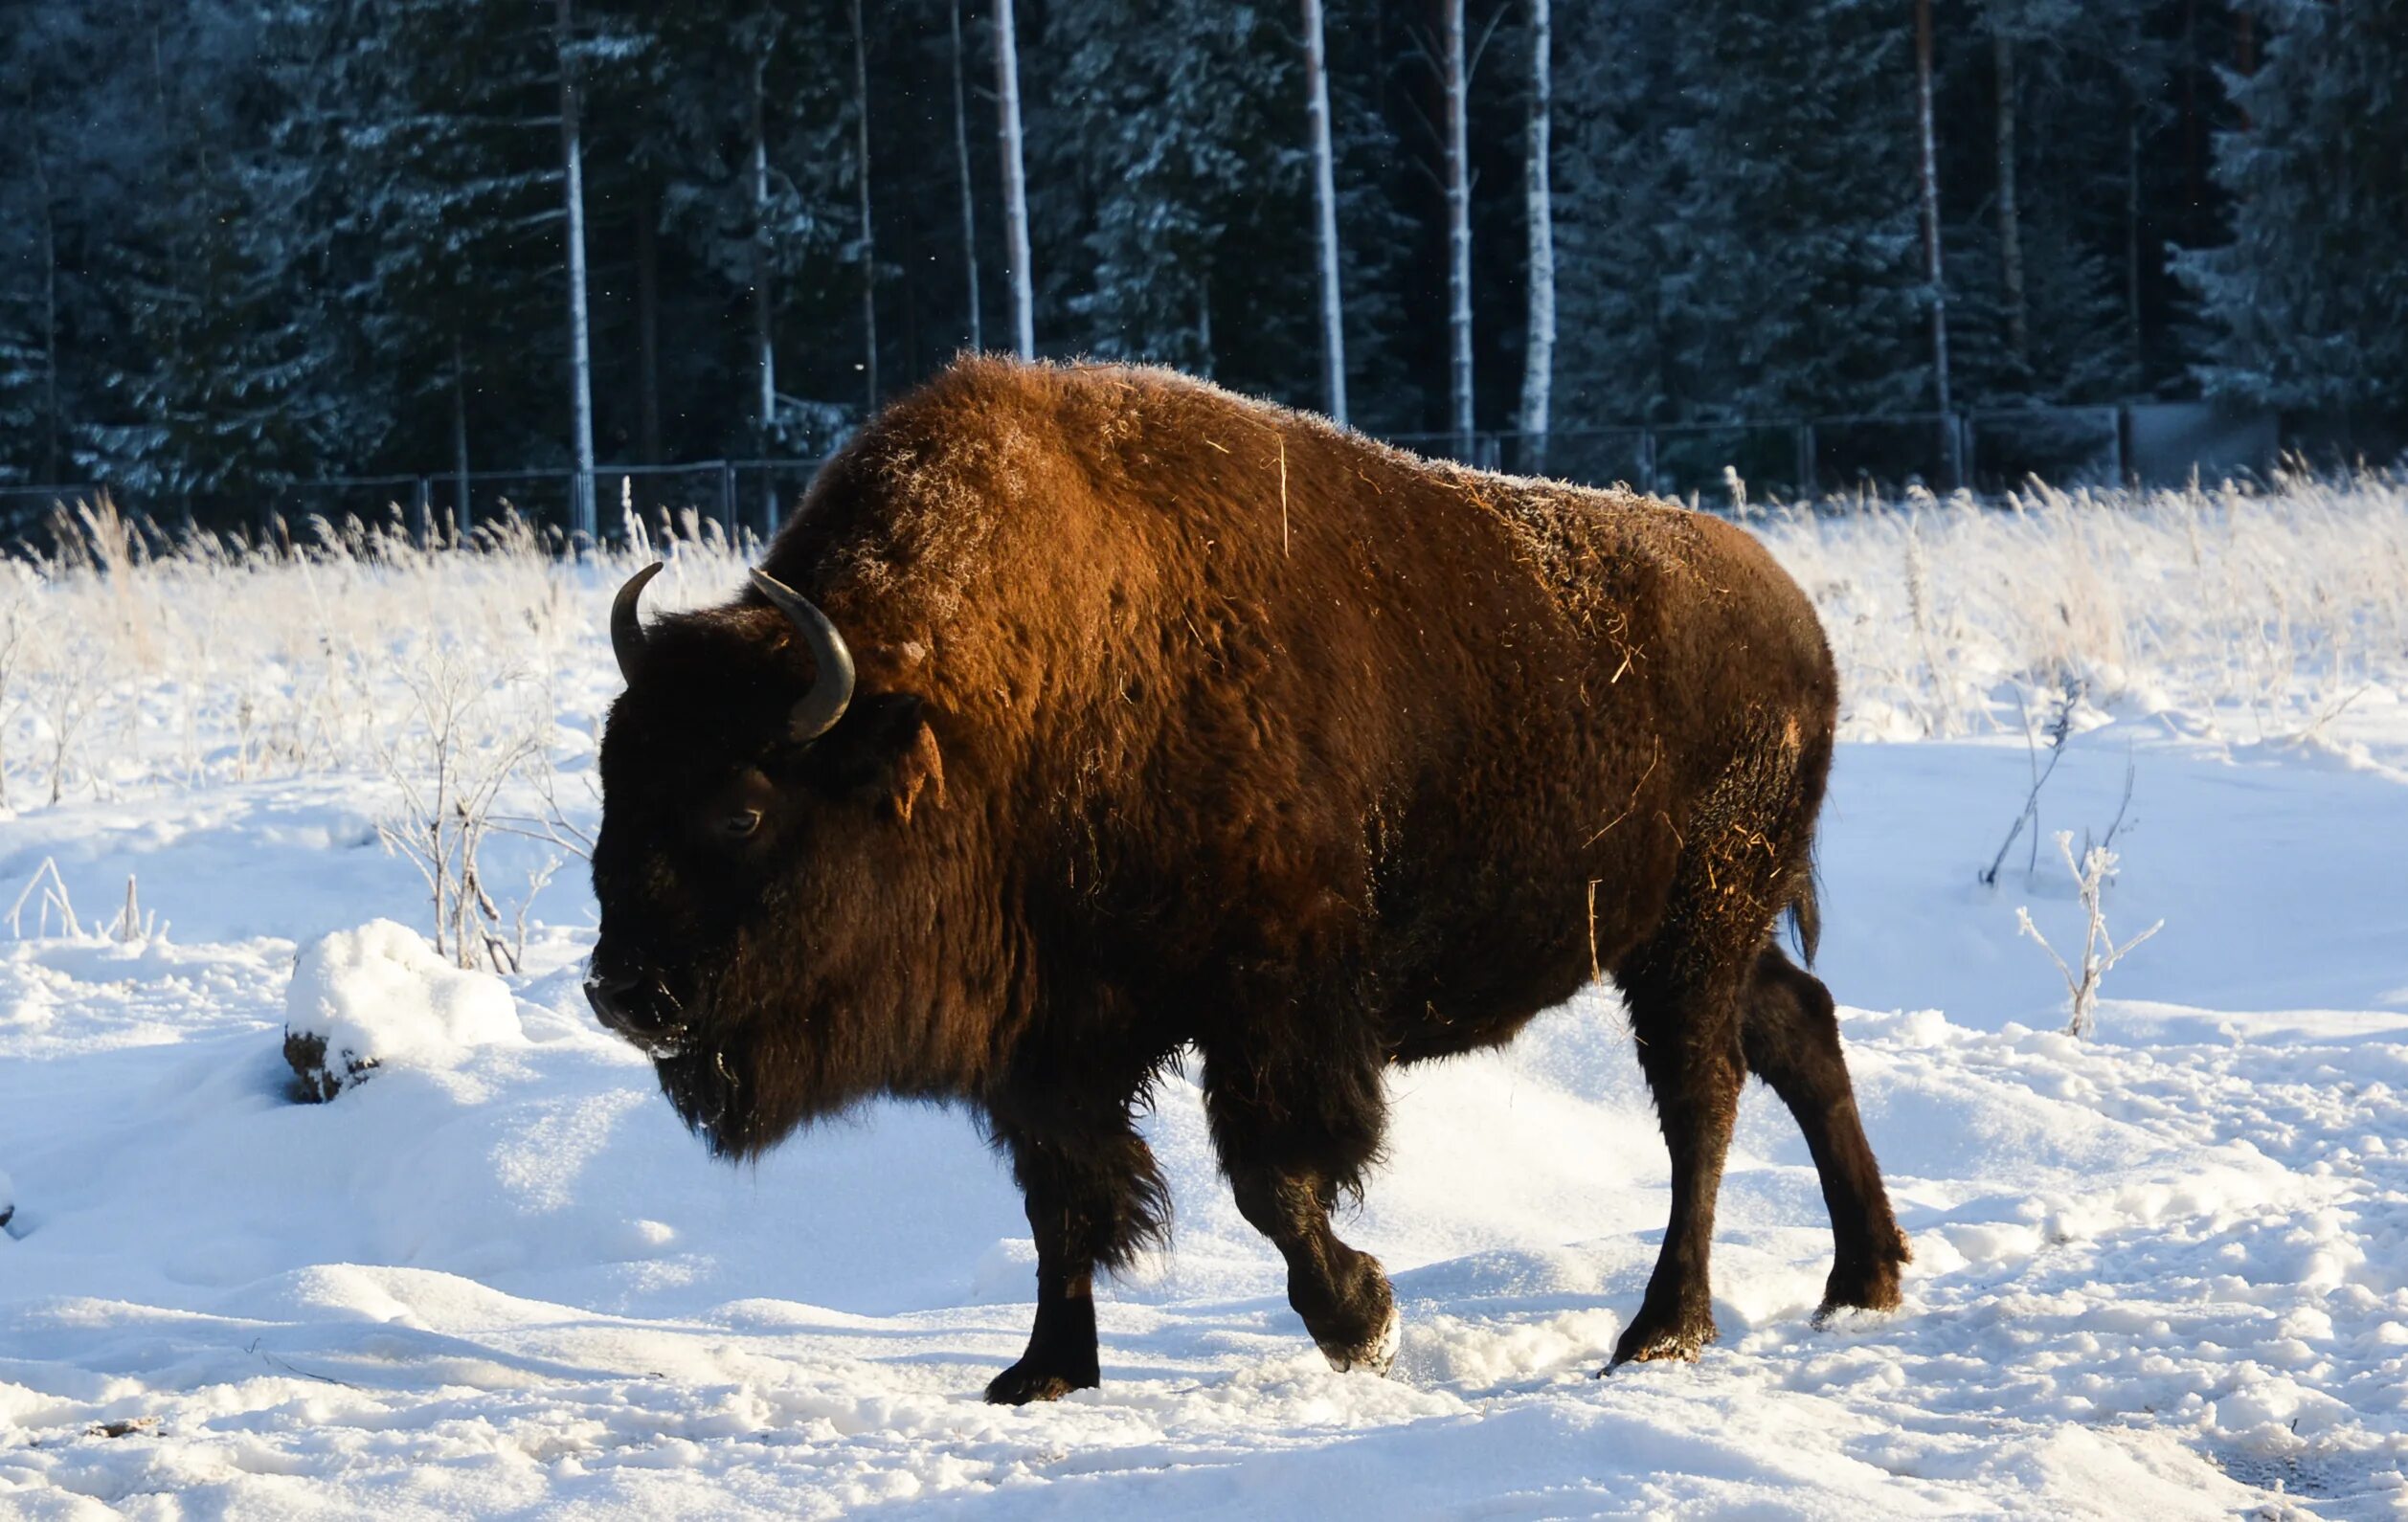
point(133, 660)
point(2242, 612)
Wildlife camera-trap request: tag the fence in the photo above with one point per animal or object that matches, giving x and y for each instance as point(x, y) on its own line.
point(1989, 451)
point(752, 494)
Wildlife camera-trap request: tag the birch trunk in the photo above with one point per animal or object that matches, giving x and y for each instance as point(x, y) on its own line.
point(1458, 235)
point(51, 425)
point(868, 236)
point(1325, 208)
point(1538, 374)
point(1015, 182)
point(463, 514)
point(1929, 175)
point(581, 350)
point(2010, 230)
point(764, 342)
point(2132, 230)
point(648, 328)
point(969, 204)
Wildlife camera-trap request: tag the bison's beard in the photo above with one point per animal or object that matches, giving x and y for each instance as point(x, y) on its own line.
point(771, 1050)
point(741, 1093)
point(706, 1090)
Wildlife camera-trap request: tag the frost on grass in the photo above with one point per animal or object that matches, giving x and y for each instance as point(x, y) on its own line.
point(380, 994)
point(2100, 951)
point(2271, 612)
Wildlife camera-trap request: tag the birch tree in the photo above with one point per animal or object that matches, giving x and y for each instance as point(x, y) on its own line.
point(1537, 373)
point(868, 250)
point(969, 202)
point(1455, 83)
point(1015, 183)
point(40, 420)
point(2002, 52)
point(582, 519)
point(764, 347)
point(1325, 210)
point(1928, 182)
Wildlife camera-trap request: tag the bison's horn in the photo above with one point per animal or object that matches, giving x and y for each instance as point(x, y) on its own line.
point(817, 712)
point(626, 629)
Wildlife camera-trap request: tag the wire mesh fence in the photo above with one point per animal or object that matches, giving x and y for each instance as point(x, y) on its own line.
point(1827, 459)
point(751, 495)
point(1989, 452)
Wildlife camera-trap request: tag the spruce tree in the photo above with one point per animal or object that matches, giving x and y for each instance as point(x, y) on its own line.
point(2308, 301)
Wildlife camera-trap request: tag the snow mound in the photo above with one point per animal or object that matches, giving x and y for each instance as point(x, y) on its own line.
point(363, 998)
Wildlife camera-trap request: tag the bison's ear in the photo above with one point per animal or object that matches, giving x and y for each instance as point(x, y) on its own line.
point(887, 746)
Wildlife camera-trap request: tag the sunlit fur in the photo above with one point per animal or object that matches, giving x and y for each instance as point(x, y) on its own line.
point(1185, 721)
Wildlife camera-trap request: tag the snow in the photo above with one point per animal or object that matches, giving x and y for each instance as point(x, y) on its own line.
point(381, 994)
point(2159, 1272)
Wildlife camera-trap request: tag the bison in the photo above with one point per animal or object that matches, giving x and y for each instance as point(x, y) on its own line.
point(1085, 714)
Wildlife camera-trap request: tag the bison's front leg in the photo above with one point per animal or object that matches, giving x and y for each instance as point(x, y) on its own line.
point(1289, 1139)
point(1093, 1199)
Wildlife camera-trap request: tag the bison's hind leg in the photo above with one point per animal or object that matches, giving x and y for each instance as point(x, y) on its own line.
point(1684, 1014)
point(1791, 1037)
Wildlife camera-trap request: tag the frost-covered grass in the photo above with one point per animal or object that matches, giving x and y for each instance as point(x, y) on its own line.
point(2257, 613)
point(131, 661)
point(2158, 1272)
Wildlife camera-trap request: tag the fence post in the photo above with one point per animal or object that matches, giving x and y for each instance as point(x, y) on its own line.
point(425, 509)
point(2119, 418)
point(1647, 460)
point(1806, 462)
point(727, 498)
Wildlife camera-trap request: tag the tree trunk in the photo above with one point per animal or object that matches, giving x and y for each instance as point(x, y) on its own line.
point(1015, 182)
point(1929, 175)
point(1458, 235)
point(968, 203)
point(53, 427)
point(1537, 373)
point(2132, 233)
point(463, 511)
point(764, 344)
point(1204, 324)
point(648, 328)
point(582, 519)
point(2002, 52)
point(868, 239)
point(1325, 208)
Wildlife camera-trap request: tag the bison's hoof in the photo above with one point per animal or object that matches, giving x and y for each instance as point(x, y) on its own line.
point(1863, 1285)
point(1020, 1384)
point(1652, 1340)
point(1378, 1355)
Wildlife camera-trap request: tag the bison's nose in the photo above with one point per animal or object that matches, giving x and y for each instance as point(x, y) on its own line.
point(636, 1006)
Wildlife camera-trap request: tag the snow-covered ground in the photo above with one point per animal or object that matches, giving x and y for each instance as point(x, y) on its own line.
point(2159, 1272)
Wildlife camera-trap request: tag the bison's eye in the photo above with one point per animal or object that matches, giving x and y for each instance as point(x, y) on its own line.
point(740, 824)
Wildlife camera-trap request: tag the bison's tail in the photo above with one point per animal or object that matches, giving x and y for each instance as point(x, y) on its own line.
point(1806, 911)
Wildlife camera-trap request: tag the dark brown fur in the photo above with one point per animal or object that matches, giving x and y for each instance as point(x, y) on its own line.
point(1188, 720)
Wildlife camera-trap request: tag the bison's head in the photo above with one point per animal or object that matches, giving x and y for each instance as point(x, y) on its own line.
point(755, 793)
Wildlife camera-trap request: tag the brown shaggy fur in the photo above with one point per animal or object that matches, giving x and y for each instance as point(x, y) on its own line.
point(1188, 720)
